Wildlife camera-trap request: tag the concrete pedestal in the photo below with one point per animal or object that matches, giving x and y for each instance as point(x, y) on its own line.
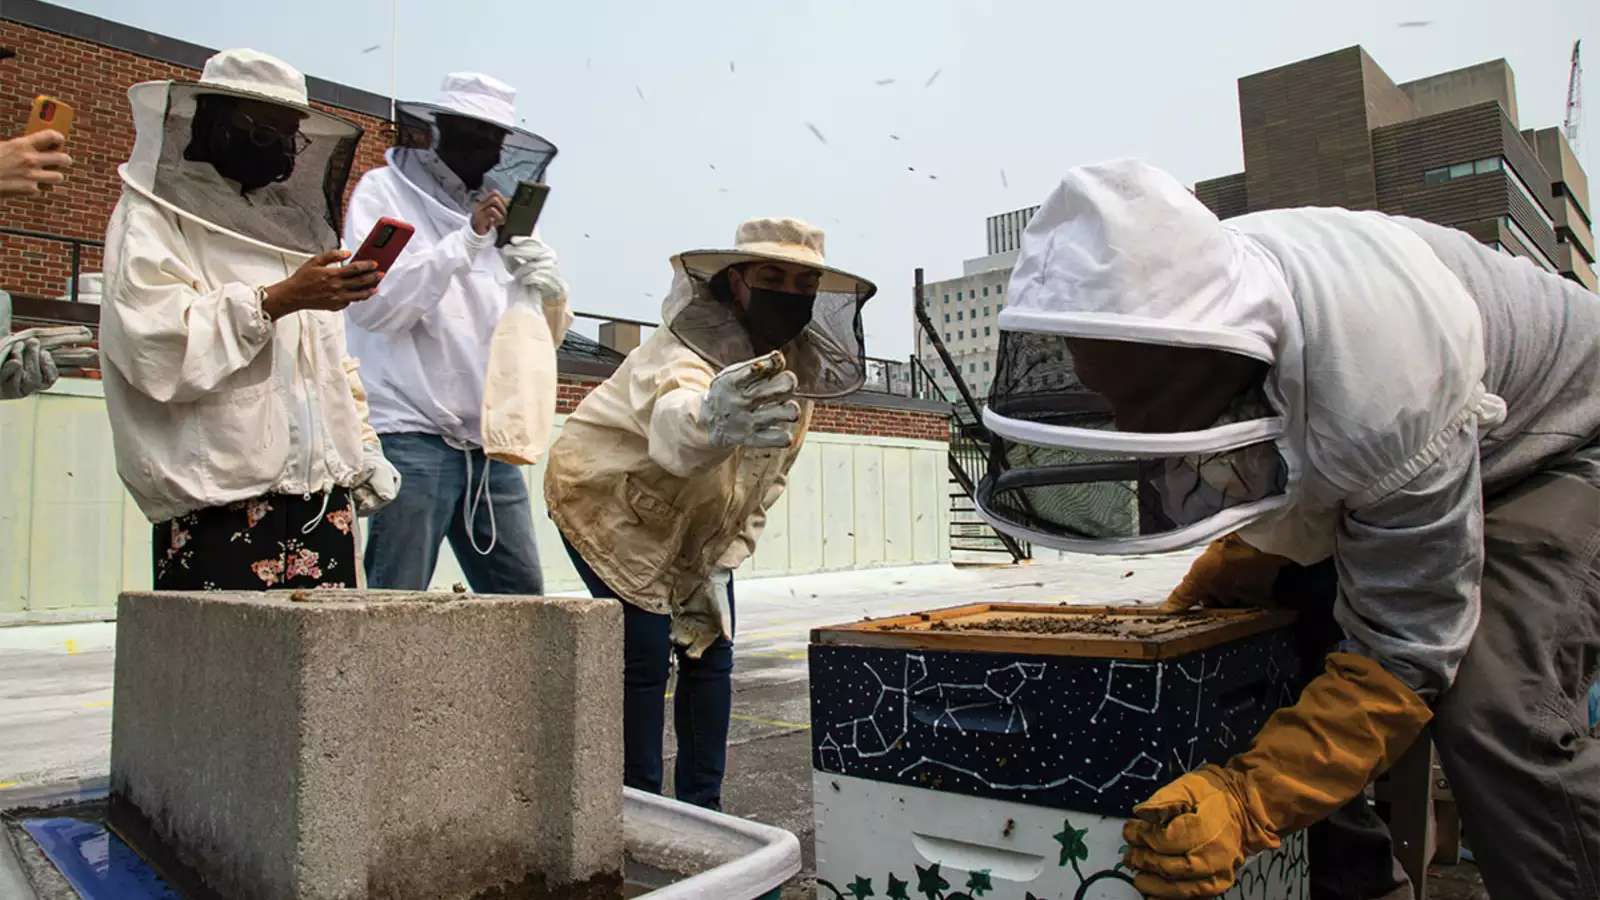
point(354, 744)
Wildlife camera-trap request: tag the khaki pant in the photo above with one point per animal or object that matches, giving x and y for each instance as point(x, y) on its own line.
point(1513, 732)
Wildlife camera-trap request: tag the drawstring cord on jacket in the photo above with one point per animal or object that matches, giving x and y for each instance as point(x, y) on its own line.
point(469, 514)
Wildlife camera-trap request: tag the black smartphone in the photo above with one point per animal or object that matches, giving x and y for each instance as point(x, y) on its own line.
point(522, 213)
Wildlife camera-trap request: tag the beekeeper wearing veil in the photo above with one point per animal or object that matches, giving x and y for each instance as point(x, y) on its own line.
point(459, 343)
point(239, 424)
point(662, 477)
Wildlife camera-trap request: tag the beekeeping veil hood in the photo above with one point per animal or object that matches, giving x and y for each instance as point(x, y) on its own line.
point(1374, 350)
point(470, 134)
point(828, 356)
point(246, 107)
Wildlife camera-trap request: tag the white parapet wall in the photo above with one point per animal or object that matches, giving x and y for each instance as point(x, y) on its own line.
point(71, 538)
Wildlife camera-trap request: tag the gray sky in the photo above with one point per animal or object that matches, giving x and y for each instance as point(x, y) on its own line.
point(1030, 88)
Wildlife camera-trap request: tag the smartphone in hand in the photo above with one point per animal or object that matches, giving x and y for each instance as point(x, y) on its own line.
point(384, 243)
point(522, 213)
point(48, 112)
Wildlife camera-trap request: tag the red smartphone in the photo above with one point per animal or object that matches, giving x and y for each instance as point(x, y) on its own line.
point(48, 112)
point(384, 243)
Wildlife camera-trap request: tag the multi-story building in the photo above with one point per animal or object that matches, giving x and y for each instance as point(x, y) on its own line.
point(965, 309)
point(1335, 130)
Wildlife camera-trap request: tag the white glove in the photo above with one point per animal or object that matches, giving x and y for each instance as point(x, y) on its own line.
point(25, 369)
point(532, 264)
point(751, 404)
point(706, 615)
point(381, 485)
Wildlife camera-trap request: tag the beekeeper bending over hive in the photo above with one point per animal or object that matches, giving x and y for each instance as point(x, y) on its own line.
point(1387, 393)
point(662, 477)
point(459, 345)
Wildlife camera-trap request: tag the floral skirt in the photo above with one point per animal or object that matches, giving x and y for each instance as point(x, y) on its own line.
point(274, 541)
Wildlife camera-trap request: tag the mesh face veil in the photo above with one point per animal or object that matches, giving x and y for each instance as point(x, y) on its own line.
point(828, 356)
point(458, 158)
point(270, 173)
point(1063, 475)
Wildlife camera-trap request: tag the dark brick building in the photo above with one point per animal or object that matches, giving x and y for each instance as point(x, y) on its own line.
point(1335, 130)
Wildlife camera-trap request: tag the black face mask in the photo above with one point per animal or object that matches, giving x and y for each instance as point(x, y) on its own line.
point(235, 156)
point(776, 317)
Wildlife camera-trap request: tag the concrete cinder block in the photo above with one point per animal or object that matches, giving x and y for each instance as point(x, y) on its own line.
point(355, 744)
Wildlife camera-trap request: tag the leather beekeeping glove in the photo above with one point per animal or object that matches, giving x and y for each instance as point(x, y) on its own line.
point(1229, 573)
point(751, 404)
point(1352, 722)
point(704, 615)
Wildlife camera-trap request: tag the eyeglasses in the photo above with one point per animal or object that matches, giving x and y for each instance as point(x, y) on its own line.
point(265, 136)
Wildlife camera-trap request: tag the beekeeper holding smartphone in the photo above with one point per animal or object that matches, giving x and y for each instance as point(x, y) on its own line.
point(458, 346)
point(662, 476)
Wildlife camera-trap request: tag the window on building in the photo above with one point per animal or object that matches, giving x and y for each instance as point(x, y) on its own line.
point(958, 315)
point(999, 289)
point(947, 298)
point(986, 365)
point(986, 312)
point(972, 295)
point(1483, 166)
point(986, 290)
point(961, 335)
point(947, 337)
point(986, 330)
point(972, 368)
point(947, 318)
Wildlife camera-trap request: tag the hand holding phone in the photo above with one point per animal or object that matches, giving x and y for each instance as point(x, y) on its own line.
point(522, 213)
point(384, 243)
point(32, 163)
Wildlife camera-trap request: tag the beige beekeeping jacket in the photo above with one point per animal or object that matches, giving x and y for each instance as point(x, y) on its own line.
point(635, 484)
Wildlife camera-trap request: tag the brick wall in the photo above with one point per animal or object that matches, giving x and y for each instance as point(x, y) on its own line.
point(835, 417)
point(95, 80)
point(1306, 137)
point(1226, 197)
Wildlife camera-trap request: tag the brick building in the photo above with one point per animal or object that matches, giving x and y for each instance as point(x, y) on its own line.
point(90, 62)
point(1335, 130)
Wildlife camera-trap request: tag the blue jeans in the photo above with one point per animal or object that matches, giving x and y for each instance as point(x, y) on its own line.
point(403, 545)
point(701, 707)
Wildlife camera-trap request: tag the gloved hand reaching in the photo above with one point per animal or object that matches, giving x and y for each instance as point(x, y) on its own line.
point(751, 404)
point(381, 485)
point(1229, 573)
point(1352, 722)
point(532, 264)
point(25, 369)
point(705, 615)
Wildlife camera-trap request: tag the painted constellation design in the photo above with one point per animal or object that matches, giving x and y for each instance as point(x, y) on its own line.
point(1128, 771)
point(998, 691)
point(878, 743)
point(1111, 692)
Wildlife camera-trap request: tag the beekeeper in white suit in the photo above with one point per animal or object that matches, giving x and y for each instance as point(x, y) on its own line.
point(1321, 383)
point(444, 386)
point(238, 420)
point(662, 476)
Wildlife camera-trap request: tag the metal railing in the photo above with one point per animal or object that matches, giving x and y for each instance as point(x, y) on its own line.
point(76, 243)
point(969, 443)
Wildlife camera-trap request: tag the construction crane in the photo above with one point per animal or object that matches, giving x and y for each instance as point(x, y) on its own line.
point(1574, 98)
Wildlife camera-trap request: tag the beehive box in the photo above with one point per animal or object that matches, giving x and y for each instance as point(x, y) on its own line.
point(996, 749)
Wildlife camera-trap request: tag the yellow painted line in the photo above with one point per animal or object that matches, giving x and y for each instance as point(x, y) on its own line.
point(775, 723)
point(776, 654)
point(8, 784)
point(72, 648)
point(97, 704)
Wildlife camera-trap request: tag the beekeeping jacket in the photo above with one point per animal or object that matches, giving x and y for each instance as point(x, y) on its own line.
point(637, 487)
point(424, 339)
point(210, 401)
